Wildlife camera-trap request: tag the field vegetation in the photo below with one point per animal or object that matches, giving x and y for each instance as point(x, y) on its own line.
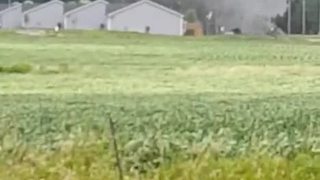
point(224, 107)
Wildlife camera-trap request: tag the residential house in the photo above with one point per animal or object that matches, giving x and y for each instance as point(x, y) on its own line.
point(43, 16)
point(88, 16)
point(146, 16)
point(10, 16)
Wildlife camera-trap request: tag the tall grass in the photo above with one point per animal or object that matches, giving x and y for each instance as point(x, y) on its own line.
point(179, 137)
point(184, 108)
point(16, 69)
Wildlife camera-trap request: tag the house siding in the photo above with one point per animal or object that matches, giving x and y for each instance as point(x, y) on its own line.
point(91, 17)
point(46, 17)
point(11, 18)
point(145, 15)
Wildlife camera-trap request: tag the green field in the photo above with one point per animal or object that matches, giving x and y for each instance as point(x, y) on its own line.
point(184, 108)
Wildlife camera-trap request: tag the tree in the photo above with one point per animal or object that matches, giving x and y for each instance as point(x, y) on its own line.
point(191, 16)
point(312, 9)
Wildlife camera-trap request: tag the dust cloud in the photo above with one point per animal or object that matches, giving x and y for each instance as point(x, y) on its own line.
point(251, 16)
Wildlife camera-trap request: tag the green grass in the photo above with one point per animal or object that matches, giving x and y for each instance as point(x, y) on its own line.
point(184, 108)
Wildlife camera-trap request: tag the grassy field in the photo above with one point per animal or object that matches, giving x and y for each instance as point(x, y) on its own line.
point(184, 108)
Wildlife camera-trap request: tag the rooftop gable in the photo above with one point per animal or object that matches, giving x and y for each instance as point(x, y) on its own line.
point(70, 6)
point(5, 8)
point(147, 2)
point(79, 8)
point(116, 6)
point(27, 8)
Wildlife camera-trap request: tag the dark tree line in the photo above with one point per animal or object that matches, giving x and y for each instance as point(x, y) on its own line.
point(312, 17)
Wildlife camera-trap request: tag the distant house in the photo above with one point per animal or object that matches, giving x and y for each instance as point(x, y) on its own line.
point(88, 16)
point(43, 16)
point(10, 16)
point(146, 17)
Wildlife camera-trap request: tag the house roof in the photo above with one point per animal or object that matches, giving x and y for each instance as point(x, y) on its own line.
point(70, 6)
point(79, 8)
point(3, 7)
point(26, 8)
point(116, 6)
point(148, 2)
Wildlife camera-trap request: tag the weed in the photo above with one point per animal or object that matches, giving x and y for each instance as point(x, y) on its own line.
point(20, 68)
point(17, 68)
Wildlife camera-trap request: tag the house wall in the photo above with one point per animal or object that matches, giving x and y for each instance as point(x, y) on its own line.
point(90, 17)
point(11, 18)
point(46, 17)
point(146, 15)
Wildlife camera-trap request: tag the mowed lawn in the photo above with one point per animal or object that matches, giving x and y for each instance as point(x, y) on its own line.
point(221, 107)
point(112, 63)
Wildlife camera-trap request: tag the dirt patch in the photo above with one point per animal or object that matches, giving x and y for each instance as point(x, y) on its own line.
point(314, 40)
point(32, 32)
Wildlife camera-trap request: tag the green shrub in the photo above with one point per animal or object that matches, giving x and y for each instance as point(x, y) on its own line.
point(64, 68)
point(1, 69)
point(191, 16)
point(18, 68)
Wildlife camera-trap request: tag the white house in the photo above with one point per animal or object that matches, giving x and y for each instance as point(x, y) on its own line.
point(10, 16)
point(88, 16)
point(146, 16)
point(43, 16)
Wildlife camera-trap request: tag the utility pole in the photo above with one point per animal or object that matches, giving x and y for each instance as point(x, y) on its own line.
point(115, 147)
point(304, 20)
point(209, 18)
point(319, 16)
point(289, 17)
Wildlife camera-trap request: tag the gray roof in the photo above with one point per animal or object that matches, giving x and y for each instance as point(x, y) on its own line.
point(124, 7)
point(3, 7)
point(27, 6)
point(71, 6)
point(115, 6)
point(110, 7)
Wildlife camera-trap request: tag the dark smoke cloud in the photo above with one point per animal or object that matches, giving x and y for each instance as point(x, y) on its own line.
point(251, 16)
